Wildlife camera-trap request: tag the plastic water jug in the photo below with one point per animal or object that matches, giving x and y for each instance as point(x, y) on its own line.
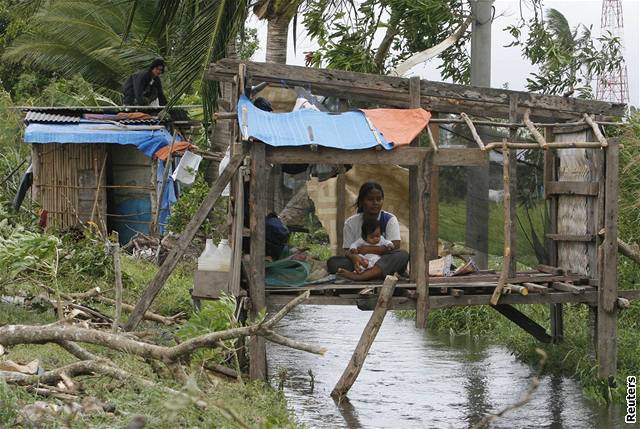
point(223, 256)
point(209, 258)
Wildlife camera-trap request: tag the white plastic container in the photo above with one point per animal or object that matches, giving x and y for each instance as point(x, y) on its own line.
point(208, 260)
point(223, 256)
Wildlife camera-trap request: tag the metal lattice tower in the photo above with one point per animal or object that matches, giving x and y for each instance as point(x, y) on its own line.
point(613, 85)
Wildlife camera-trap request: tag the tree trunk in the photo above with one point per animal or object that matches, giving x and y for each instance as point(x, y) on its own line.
point(277, 35)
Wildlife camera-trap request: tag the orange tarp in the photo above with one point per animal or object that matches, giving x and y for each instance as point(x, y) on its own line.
point(398, 126)
point(163, 153)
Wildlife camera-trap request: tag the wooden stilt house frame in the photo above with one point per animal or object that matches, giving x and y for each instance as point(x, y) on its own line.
point(583, 254)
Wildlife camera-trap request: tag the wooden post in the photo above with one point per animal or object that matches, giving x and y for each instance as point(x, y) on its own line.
point(550, 175)
point(237, 227)
point(341, 202)
point(608, 291)
point(153, 196)
point(434, 201)
point(257, 211)
point(118, 282)
point(418, 221)
point(506, 171)
point(183, 242)
point(415, 253)
point(163, 185)
point(352, 370)
point(513, 187)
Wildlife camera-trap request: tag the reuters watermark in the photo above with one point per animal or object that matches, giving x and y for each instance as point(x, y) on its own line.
point(632, 408)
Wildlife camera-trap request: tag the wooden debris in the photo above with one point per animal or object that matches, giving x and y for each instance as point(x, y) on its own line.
point(536, 288)
point(185, 239)
point(473, 130)
point(596, 130)
point(566, 287)
point(506, 202)
point(517, 289)
point(534, 131)
point(352, 370)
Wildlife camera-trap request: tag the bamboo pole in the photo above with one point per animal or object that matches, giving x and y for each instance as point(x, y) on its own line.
point(534, 131)
point(596, 130)
point(118, 282)
point(165, 176)
point(507, 227)
point(352, 370)
point(473, 130)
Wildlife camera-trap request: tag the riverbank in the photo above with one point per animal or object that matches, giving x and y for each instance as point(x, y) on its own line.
point(29, 260)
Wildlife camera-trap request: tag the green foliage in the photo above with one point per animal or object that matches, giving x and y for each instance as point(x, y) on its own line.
point(247, 43)
point(185, 208)
point(213, 316)
point(346, 33)
point(568, 59)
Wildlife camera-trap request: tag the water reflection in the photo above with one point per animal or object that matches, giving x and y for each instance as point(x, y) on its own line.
point(413, 379)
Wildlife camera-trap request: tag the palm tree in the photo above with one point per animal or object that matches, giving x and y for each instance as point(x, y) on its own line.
point(104, 41)
point(278, 14)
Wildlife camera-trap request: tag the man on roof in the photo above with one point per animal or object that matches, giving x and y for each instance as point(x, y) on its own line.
point(144, 88)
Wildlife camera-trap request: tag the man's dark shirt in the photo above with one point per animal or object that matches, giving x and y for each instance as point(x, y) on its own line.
point(140, 89)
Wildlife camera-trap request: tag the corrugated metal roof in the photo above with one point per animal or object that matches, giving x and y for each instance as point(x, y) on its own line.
point(31, 117)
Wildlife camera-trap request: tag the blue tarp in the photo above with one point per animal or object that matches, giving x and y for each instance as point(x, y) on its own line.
point(148, 141)
point(349, 130)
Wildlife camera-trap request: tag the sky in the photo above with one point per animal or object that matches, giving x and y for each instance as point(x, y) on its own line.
point(507, 65)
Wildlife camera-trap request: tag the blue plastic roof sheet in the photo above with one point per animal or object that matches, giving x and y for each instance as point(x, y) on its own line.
point(348, 130)
point(148, 141)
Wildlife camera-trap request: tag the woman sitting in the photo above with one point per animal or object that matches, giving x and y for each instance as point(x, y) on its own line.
point(353, 264)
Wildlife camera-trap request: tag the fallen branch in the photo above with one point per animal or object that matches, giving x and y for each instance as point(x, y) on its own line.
point(27, 334)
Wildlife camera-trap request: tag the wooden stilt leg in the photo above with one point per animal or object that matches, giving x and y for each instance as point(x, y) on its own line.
point(607, 351)
point(257, 210)
point(352, 370)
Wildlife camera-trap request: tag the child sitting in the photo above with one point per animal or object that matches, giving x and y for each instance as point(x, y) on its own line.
point(371, 236)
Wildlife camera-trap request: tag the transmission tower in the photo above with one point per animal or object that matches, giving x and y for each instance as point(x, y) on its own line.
point(613, 85)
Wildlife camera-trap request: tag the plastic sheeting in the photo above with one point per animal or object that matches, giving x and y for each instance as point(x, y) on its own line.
point(148, 141)
point(349, 130)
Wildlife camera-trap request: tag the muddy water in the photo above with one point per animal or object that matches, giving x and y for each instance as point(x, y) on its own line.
point(413, 379)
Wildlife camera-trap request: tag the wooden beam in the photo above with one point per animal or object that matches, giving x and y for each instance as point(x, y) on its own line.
point(533, 130)
point(536, 288)
point(571, 188)
point(341, 204)
point(434, 201)
point(416, 251)
point(513, 188)
point(473, 130)
point(566, 287)
point(422, 275)
point(155, 286)
point(596, 130)
point(369, 333)
point(523, 321)
point(257, 214)
point(587, 238)
point(394, 91)
point(607, 347)
point(506, 201)
point(445, 301)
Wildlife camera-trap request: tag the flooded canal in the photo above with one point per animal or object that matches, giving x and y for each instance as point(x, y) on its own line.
point(413, 379)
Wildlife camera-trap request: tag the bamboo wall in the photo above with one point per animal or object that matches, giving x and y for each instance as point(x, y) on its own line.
point(69, 183)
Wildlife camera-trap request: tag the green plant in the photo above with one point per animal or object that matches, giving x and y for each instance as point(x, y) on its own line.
point(213, 316)
point(189, 202)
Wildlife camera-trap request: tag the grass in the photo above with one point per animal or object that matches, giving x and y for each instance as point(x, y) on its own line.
point(452, 227)
point(257, 404)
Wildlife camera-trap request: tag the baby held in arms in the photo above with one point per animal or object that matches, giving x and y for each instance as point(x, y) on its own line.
point(371, 236)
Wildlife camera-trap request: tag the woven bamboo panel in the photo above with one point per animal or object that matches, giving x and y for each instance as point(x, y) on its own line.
point(69, 183)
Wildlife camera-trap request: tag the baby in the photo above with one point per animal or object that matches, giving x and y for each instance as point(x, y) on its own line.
point(371, 236)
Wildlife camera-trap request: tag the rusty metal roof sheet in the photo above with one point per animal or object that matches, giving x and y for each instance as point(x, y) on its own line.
point(50, 118)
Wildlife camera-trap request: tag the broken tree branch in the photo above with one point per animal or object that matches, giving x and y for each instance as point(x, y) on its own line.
point(26, 334)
